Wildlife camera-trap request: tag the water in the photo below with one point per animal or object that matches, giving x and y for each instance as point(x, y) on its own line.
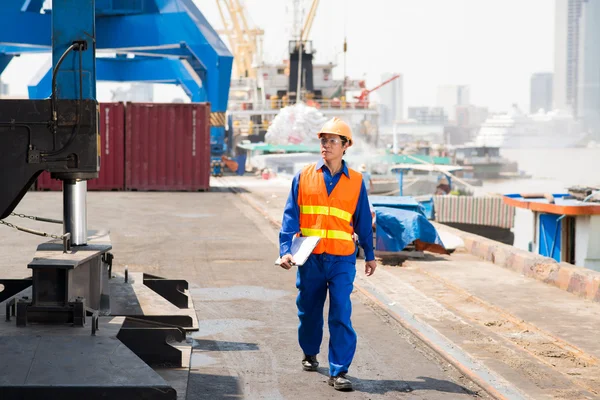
point(552, 170)
point(565, 167)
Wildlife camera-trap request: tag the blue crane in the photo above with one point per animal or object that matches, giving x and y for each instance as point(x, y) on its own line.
point(154, 41)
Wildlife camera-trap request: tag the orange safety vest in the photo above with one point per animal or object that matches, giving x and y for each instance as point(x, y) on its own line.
point(329, 217)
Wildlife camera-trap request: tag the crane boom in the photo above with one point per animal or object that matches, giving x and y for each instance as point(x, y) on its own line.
point(383, 84)
point(244, 41)
point(309, 20)
point(363, 98)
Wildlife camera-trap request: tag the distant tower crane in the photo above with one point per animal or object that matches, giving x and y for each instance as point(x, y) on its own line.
point(245, 42)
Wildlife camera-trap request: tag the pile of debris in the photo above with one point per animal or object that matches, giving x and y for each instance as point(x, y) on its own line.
point(295, 124)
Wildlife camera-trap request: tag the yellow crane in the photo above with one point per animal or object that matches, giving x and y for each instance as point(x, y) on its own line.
point(309, 21)
point(245, 42)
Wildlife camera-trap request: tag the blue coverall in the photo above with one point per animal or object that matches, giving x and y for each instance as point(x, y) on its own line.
point(326, 271)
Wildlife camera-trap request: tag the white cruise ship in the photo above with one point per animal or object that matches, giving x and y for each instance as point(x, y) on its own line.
point(542, 130)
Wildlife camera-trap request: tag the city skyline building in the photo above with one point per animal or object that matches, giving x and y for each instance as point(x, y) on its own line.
point(451, 96)
point(391, 99)
point(540, 96)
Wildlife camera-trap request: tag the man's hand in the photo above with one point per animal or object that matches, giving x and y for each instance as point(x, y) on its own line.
point(287, 261)
point(370, 267)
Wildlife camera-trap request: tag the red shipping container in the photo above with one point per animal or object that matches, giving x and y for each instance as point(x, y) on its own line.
point(112, 153)
point(167, 146)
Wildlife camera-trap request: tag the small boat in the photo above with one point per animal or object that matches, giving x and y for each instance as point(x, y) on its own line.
point(566, 227)
point(484, 162)
point(481, 215)
point(424, 179)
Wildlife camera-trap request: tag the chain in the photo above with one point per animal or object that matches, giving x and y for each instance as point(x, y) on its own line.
point(32, 231)
point(41, 219)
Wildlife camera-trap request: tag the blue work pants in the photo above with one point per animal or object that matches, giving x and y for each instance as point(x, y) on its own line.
point(320, 273)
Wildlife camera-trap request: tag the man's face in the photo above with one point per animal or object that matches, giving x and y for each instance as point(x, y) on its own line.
point(331, 147)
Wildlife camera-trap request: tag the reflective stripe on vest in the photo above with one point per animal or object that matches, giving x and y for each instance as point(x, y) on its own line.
point(324, 233)
point(323, 210)
point(328, 216)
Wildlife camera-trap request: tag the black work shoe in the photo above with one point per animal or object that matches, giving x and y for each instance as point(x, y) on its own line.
point(310, 363)
point(340, 382)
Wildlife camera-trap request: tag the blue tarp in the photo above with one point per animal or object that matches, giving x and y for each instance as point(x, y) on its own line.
point(409, 203)
point(397, 228)
point(402, 202)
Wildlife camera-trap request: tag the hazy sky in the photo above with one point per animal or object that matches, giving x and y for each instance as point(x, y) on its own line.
point(492, 45)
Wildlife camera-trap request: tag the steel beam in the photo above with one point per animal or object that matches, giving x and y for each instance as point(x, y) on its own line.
point(71, 22)
point(211, 59)
point(145, 31)
point(18, 50)
point(74, 67)
point(36, 34)
point(4, 61)
point(179, 30)
point(219, 71)
point(178, 52)
point(22, 5)
point(32, 5)
point(174, 290)
point(111, 7)
point(149, 70)
point(153, 342)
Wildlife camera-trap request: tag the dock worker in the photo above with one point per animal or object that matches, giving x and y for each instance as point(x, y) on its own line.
point(443, 187)
point(366, 178)
point(329, 200)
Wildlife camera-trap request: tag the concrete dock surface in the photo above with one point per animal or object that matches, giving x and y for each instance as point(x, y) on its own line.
point(440, 327)
point(535, 336)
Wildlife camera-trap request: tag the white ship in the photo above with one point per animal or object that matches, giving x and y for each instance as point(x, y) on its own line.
point(553, 129)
